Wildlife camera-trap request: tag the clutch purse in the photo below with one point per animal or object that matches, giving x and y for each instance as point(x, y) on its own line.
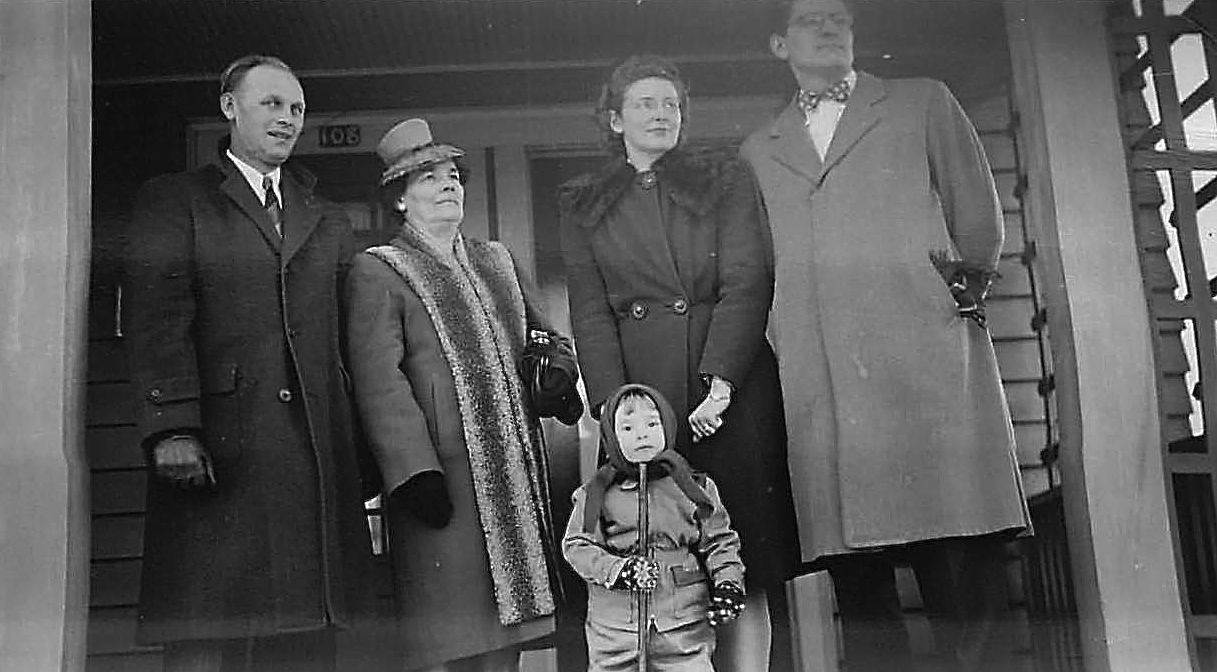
point(550, 375)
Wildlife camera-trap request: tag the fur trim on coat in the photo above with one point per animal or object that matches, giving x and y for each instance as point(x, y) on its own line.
point(478, 313)
point(695, 180)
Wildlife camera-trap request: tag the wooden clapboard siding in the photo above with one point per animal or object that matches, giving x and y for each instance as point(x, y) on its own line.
point(111, 631)
point(115, 447)
point(117, 537)
point(109, 404)
point(1013, 302)
point(138, 661)
point(1026, 404)
point(117, 493)
point(1018, 359)
point(114, 583)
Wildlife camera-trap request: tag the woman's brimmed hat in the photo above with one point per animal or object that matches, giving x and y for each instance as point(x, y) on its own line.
point(409, 146)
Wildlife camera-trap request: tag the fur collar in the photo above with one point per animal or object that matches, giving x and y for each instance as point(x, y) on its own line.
point(694, 180)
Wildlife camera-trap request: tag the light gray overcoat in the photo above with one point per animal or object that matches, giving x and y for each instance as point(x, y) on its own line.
point(898, 424)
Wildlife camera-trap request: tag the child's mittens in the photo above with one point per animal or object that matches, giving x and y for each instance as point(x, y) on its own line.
point(638, 574)
point(726, 603)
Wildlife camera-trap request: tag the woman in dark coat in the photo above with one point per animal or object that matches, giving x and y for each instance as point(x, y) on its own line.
point(437, 323)
point(670, 281)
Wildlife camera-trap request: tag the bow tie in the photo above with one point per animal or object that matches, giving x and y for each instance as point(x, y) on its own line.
point(809, 101)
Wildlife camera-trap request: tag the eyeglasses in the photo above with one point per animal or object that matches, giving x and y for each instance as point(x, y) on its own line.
point(669, 105)
point(816, 21)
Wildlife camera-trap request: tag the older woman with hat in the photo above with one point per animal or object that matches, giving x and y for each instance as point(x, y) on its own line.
point(437, 325)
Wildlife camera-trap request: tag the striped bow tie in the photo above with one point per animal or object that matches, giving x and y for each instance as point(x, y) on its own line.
point(809, 101)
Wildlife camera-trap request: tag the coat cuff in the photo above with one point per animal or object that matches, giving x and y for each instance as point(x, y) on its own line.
point(614, 572)
point(733, 573)
point(169, 405)
point(399, 474)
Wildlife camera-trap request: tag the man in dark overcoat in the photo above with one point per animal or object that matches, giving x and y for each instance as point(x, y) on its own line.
point(255, 534)
point(901, 443)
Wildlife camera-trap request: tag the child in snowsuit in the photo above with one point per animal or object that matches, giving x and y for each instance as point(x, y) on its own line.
point(695, 578)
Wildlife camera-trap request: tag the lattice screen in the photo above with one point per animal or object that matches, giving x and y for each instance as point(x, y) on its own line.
point(1167, 54)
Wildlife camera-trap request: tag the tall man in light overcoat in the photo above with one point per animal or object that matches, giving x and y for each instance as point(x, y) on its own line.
point(900, 437)
point(255, 533)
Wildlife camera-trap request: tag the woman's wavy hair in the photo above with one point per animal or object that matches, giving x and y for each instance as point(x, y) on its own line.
point(625, 73)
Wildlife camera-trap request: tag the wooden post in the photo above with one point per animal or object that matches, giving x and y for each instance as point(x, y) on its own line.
point(1129, 604)
point(45, 143)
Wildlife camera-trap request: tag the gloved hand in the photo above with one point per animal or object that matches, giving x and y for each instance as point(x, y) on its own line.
point(726, 603)
point(550, 373)
point(969, 290)
point(181, 460)
point(638, 574)
point(426, 496)
point(969, 285)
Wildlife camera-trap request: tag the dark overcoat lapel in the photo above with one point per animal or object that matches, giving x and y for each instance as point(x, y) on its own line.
point(301, 212)
point(237, 189)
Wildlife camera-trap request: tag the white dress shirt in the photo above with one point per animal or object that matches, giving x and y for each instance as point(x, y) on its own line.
point(822, 123)
point(254, 178)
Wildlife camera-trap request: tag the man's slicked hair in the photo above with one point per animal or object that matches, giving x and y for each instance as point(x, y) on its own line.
point(235, 73)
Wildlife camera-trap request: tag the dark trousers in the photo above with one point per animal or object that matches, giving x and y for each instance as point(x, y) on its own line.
point(313, 651)
point(963, 588)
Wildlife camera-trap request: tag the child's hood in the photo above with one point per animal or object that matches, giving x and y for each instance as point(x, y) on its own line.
point(668, 462)
point(608, 429)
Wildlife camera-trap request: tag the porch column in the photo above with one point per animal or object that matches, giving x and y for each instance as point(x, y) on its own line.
point(45, 138)
point(1078, 194)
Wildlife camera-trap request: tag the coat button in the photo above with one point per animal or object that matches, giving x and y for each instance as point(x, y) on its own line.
point(638, 310)
point(680, 306)
point(285, 395)
point(155, 394)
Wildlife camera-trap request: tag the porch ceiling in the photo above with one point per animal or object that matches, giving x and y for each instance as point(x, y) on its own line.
point(180, 41)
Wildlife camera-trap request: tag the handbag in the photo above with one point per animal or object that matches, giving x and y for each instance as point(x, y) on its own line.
point(550, 375)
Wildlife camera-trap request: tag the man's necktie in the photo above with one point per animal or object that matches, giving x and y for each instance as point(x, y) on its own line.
point(272, 205)
point(809, 101)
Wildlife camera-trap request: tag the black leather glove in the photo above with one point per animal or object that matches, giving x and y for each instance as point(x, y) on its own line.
point(638, 574)
point(970, 291)
point(426, 496)
point(550, 374)
point(969, 285)
point(726, 603)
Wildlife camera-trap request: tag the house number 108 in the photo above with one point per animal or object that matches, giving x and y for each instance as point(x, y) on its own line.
point(338, 136)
